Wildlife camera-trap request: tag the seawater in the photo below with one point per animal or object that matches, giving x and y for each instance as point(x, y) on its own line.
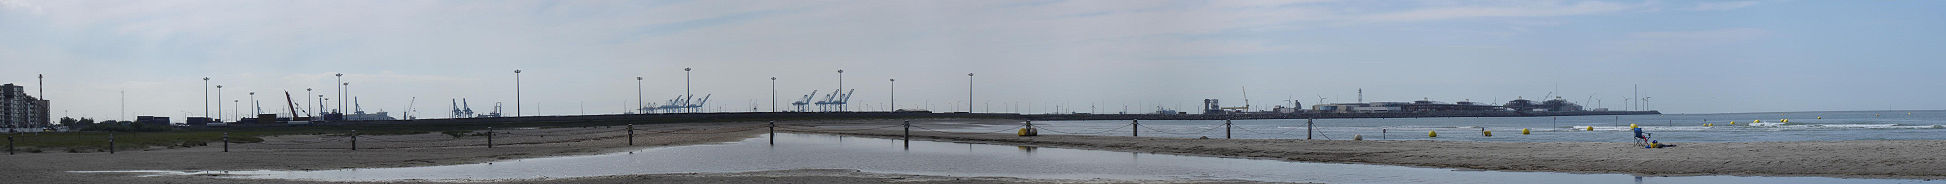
point(816, 151)
point(1803, 126)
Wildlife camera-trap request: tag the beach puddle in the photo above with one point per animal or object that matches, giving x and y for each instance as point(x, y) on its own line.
point(816, 151)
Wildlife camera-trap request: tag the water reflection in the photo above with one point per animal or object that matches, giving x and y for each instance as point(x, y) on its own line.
point(807, 151)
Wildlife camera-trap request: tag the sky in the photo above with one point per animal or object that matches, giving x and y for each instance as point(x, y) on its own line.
point(118, 59)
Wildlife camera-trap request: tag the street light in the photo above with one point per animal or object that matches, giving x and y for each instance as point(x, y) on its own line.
point(638, 95)
point(773, 94)
point(685, 90)
point(969, 92)
point(341, 94)
point(253, 104)
point(841, 88)
point(517, 93)
point(206, 97)
point(307, 103)
point(895, 94)
point(219, 105)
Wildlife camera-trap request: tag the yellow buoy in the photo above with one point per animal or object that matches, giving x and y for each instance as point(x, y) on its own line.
point(1432, 133)
point(1591, 128)
point(1028, 132)
point(1733, 123)
point(1524, 131)
point(1357, 137)
point(1488, 133)
point(1784, 121)
point(1756, 121)
point(1632, 125)
point(1820, 117)
point(1709, 124)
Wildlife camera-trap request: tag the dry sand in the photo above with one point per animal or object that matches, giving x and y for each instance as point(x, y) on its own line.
point(1907, 159)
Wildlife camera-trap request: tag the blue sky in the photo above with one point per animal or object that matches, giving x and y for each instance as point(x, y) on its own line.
point(1690, 56)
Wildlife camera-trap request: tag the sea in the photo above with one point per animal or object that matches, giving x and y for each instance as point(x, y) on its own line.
point(1726, 127)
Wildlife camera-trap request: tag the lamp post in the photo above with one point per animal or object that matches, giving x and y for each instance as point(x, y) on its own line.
point(219, 105)
point(841, 88)
point(638, 94)
point(685, 90)
point(253, 104)
point(347, 95)
point(234, 111)
point(517, 93)
point(341, 94)
point(894, 105)
point(773, 94)
point(307, 103)
point(206, 97)
point(969, 92)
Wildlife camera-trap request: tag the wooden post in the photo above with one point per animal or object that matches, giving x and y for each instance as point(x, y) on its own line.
point(1135, 128)
point(631, 134)
point(773, 132)
point(226, 142)
point(111, 143)
point(354, 140)
point(908, 132)
point(1226, 129)
point(489, 137)
point(1307, 129)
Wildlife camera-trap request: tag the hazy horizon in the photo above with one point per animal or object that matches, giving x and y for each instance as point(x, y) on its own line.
point(1691, 57)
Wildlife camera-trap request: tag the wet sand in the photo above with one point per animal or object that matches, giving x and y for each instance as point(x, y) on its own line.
point(320, 152)
point(1905, 159)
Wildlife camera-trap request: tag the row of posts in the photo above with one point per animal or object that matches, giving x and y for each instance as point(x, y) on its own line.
point(1135, 130)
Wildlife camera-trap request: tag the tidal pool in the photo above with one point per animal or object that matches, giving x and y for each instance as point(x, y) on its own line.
point(817, 151)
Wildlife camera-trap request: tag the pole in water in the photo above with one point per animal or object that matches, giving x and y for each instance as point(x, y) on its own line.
point(1307, 129)
point(1226, 129)
point(354, 140)
point(908, 132)
point(631, 134)
point(226, 142)
point(773, 132)
point(1135, 128)
point(489, 137)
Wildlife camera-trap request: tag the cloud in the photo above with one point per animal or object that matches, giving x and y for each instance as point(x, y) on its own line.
point(1538, 9)
point(1719, 6)
point(1725, 35)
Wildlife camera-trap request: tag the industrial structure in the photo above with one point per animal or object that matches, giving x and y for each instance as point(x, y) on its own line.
point(835, 102)
point(680, 104)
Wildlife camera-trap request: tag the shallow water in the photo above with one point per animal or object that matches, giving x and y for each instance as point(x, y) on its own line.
point(1803, 126)
point(809, 151)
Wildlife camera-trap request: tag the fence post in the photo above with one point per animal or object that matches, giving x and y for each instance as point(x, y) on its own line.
point(1226, 129)
point(226, 142)
point(631, 134)
point(354, 140)
point(1307, 128)
point(111, 143)
point(773, 132)
point(489, 137)
point(1135, 128)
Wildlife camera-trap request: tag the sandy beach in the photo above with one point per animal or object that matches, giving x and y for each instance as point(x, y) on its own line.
point(1857, 159)
point(320, 152)
point(1905, 159)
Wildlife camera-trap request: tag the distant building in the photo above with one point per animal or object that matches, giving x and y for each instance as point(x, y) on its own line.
point(152, 120)
point(19, 110)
